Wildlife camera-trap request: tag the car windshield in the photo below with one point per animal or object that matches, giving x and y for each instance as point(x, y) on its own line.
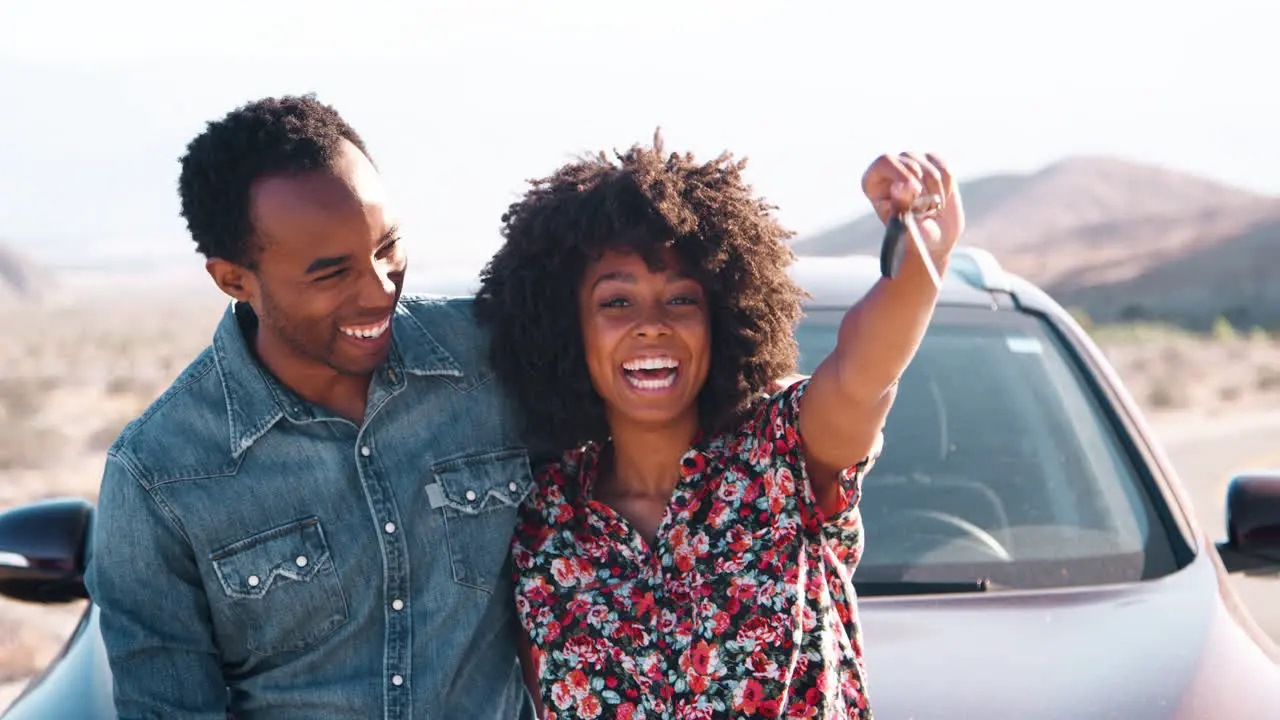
point(998, 466)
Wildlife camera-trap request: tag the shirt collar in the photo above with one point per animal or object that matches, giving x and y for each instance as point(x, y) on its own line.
point(256, 400)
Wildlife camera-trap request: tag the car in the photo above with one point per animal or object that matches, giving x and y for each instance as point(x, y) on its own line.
point(1030, 551)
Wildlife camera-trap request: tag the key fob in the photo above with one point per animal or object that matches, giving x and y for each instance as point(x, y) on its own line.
point(894, 247)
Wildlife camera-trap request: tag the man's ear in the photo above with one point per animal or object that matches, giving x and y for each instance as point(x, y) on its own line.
point(233, 279)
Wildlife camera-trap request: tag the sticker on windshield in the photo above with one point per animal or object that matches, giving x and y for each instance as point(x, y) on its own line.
point(1024, 345)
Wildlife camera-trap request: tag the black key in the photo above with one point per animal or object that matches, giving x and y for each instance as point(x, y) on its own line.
point(894, 247)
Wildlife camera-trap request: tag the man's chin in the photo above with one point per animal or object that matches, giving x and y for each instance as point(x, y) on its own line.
point(357, 367)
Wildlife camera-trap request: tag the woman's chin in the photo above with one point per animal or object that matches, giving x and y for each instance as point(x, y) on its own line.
point(654, 409)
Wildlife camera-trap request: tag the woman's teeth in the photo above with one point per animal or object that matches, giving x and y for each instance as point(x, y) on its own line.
point(367, 332)
point(651, 363)
point(658, 384)
point(651, 373)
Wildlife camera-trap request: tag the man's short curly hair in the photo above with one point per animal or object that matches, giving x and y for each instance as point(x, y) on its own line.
point(724, 236)
point(285, 135)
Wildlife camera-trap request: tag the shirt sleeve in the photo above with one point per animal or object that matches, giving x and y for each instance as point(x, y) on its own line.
point(153, 613)
point(777, 423)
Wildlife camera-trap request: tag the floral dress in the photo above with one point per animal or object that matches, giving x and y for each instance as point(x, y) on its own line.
point(743, 608)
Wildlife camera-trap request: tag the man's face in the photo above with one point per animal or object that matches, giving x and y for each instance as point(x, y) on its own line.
point(328, 268)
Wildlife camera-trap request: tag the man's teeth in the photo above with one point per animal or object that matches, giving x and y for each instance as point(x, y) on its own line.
point(652, 363)
point(368, 332)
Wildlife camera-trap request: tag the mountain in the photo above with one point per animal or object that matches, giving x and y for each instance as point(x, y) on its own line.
point(1118, 239)
point(19, 276)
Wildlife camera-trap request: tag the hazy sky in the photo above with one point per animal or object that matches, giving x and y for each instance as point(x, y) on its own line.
point(461, 101)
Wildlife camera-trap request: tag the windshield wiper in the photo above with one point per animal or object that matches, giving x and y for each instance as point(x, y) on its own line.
point(880, 588)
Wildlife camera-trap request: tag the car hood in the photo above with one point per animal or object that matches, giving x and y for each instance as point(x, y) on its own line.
point(1168, 648)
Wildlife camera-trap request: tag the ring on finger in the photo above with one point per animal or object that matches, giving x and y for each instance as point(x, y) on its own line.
point(926, 205)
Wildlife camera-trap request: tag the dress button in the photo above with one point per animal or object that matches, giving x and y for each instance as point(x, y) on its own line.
point(397, 680)
point(389, 527)
point(397, 604)
point(302, 561)
point(253, 581)
point(365, 451)
point(471, 495)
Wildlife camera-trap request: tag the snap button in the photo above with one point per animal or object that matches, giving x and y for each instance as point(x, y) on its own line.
point(397, 680)
point(397, 604)
point(513, 487)
point(302, 561)
point(253, 581)
point(389, 527)
point(365, 451)
point(471, 495)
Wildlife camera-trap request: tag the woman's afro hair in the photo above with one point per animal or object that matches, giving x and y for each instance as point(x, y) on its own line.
point(640, 201)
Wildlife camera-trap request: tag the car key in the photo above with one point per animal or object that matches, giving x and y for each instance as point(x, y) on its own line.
point(901, 227)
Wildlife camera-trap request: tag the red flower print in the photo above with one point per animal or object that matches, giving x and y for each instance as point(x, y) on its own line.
point(685, 559)
point(700, 658)
point(565, 571)
point(578, 683)
point(742, 599)
point(747, 696)
point(760, 454)
point(589, 707)
point(562, 695)
point(720, 622)
point(731, 492)
point(721, 513)
point(694, 462)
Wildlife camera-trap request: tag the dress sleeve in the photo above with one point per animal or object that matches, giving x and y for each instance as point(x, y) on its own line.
point(777, 425)
point(544, 509)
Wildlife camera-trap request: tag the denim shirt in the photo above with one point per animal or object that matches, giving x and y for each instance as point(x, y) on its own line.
point(254, 552)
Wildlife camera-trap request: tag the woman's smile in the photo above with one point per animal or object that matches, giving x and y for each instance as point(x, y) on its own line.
point(653, 374)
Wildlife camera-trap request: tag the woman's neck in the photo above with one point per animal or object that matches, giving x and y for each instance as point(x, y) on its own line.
point(645, 459)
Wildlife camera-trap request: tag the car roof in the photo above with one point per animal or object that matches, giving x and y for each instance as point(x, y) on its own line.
point(972, 278)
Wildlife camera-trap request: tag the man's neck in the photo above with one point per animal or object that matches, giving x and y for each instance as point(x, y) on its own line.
point(339, 393)
point(646, 458)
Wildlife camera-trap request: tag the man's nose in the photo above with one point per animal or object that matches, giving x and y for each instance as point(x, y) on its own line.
point(377, 287)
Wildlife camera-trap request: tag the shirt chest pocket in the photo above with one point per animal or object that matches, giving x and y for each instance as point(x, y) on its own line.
point(281, 587)
point(479, 496)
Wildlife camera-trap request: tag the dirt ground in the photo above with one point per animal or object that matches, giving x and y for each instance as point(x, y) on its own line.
point(74, 371)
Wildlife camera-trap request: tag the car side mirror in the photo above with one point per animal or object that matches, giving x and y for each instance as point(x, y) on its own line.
point(42, 551)
point(1253, 524)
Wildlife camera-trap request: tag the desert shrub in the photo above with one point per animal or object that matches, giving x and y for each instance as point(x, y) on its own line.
point(1268, 378)
point(1223, 330)
point(1167, 394)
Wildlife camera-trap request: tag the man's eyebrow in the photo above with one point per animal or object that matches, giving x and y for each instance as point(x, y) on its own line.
point(327, 263)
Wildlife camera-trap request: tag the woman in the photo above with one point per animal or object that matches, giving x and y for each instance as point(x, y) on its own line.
point(691, 555)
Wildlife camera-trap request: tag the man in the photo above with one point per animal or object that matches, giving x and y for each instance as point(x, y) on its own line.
point(313, 521)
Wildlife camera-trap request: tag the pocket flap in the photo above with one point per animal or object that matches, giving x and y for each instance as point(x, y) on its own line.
point(476, 483)
point(249, 567)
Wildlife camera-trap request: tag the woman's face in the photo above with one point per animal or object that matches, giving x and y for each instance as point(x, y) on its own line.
point(647, 338)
